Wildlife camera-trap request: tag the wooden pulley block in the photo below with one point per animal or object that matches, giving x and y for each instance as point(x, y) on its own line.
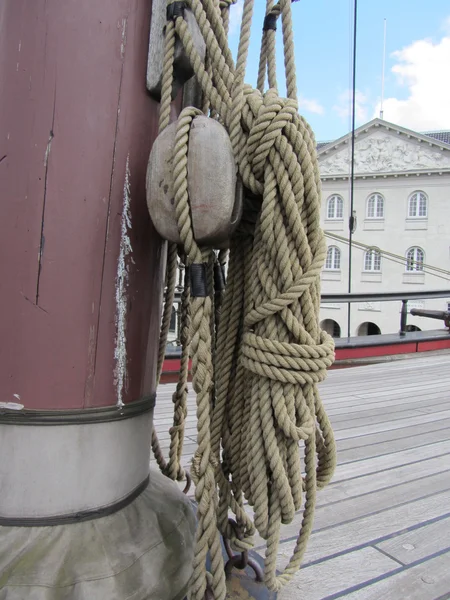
point(215, 191)
point(183, 70)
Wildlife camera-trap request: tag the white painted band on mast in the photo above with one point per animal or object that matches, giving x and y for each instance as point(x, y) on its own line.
point(383, 70)
point(58, 470)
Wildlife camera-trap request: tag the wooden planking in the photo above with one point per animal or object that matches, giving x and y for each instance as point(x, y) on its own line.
point(333, 576)
point(429, 580)
point(420, 543)
point(372, 418)
point(392, 482)
point(367, 382)
point(371, 530)
point(394, 445)
point(405, 432)
point(391, 404)
point(341, 490)
point(358, 507)
point(379, 387)
point(381, 463)
point(337, 513)
point(391, 425)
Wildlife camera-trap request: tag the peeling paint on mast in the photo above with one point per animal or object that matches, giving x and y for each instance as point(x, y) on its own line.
point(125, 256)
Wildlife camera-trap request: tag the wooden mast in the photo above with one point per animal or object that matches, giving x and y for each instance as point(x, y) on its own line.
point(73, 111)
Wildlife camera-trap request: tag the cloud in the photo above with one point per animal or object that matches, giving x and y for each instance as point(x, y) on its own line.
point(344, 105)
point(422, 68)
point(236, 11)
point(310, 105)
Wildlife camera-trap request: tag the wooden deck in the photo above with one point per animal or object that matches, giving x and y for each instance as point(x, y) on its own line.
point(382, 528)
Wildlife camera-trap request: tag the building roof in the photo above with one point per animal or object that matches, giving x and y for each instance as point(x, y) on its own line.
point(396, 150)
point(321, 145)
point(441, 136)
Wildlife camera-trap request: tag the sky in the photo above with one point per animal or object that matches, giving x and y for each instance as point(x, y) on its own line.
point(417, 73)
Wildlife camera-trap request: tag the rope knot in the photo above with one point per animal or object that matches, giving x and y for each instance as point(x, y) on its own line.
point(273, 114)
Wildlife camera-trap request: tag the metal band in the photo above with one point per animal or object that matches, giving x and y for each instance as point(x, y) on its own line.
point(175, 10)
point(270, 22)
point(77, 416)
point(72, 468)
point(198, 277)
point(87, 515)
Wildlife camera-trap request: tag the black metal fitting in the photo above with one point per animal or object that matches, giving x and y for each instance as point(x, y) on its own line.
point(198, 279)
point(175, 10)
point(219, 277)
point(270, 22)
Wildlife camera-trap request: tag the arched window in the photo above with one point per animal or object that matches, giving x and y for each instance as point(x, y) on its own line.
point(418, 206)
point(335, 207)
point(368, 328)
point(333, 262)
point(331, 327)
point(375, 207)
point(372, 260)
point(414, 259)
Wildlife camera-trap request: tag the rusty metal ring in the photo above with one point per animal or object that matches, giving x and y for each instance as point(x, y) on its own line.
point(240, 561)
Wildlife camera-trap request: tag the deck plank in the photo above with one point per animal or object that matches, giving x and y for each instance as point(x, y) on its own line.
point(337, 574)
point(360, 486)
point(386, 436)
point(371, 530)
point(380, 500)
point(429, 580)
point(420, 543)
point(392, 446)
point(387, 461)
point(382, 527)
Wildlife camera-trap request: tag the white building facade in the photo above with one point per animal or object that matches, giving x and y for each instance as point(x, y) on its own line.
point(401, 201)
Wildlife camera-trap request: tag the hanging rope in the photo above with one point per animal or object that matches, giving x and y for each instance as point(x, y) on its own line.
point(257, 399)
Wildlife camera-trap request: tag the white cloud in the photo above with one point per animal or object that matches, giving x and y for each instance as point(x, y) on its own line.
point(310, 105)
point(422, 68)
point(236, 11)
point(344, 105)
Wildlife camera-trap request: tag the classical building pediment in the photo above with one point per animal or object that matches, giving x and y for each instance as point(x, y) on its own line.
point(382, 148)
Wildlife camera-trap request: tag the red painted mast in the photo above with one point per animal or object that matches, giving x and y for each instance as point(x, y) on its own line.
point(81, 270)
point(74, 109)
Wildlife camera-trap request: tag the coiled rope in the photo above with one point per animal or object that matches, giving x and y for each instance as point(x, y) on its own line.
point(256, 367)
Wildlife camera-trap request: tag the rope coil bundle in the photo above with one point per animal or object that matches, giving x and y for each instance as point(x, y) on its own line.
point(257, 350)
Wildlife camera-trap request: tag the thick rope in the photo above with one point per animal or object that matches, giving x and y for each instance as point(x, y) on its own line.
point(204, 463)
point(172, 468)
point(257, 401)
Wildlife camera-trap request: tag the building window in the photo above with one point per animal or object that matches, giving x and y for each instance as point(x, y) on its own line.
point(335, 208)
point(368, 328)
point(372, 260)
point(375, 207)
point(173, 320)
point(331, 327)
point(415, 259)
point(417, 206)
point(333, 262)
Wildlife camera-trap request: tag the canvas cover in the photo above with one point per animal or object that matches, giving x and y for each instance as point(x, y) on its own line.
point(142, 552)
